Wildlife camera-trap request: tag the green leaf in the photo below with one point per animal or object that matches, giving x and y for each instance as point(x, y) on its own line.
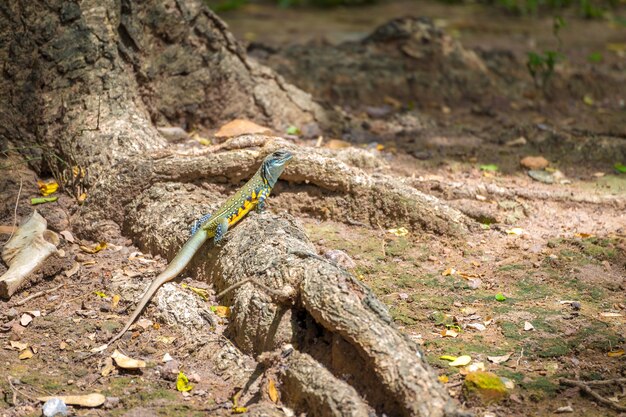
point(489, 167)
point(595, 57)
point(500, 297)
point(292, 130)
point(182, 383)
point(41, 200)
point(621, 168)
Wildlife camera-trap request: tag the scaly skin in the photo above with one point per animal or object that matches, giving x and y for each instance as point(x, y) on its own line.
point(251, 195)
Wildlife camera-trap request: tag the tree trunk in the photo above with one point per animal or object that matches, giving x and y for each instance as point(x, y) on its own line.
point(88, 84)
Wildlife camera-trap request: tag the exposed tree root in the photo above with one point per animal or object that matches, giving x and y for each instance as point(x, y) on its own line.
point(349, 191)
point(585, 386)
point(456, 190)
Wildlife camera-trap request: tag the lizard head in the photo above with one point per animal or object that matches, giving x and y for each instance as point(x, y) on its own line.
point(274, 164)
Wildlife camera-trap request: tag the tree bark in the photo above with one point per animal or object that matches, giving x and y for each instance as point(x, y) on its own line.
point(88, 84)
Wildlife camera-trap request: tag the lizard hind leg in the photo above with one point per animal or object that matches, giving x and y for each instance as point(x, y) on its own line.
point(220, 231)
point(198, 223)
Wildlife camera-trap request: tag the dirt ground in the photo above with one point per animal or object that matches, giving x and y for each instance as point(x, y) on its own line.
point(555, 252)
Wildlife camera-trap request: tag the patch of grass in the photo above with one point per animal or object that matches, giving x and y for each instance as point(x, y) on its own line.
point(550, 348)
point(542, 384)
point(512, 267)
point(403, 314)
point(527, 289)
point(517, 377)
point(597, 336)
point(397, 247)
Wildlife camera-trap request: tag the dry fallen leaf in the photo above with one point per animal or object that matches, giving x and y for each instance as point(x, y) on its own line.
point(108, 367)
point(26, 354)
point(616, 353)
point(449, 271)
point(201, 292)
point(182, 383)
point(125, 362)
point(88, 400)
point(461, 361)
point(400, 231)
point(443, 379)
point(47, 188)
point(221, 311)
point(477, 326)
point(449, 333)
point(239, 127)
point(18, 345)
point(74, 269)
point(499, 359)
point(67, 235)
point(337, 144)
point(474, 367)
point(62, 346)
point(272, 391)
point(100, 246)
point(115, 300)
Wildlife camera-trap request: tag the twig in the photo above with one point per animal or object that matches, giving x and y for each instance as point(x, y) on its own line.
point(15, 390)
point(232, 287)
point(38, 294)
point(584, 386)
point(17, 201)
point(521, 355)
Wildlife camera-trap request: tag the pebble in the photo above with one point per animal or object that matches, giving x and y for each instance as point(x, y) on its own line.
point(11, 313)
point(521, 141)
point(340, 258)
point(541, 176)
point(111, 402)
point(54, 407)
point(566, 409)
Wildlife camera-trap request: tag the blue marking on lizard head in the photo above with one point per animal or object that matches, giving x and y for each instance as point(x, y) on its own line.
point(274, 164)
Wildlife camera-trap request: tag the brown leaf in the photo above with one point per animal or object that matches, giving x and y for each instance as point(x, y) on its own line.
point(125, 362)
point(240, 127)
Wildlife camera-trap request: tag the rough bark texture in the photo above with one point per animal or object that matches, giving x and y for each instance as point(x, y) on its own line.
point(100, 75)
point(91, 81)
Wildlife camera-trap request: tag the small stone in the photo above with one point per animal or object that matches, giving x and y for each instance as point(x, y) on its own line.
point(341, 258)
point(474, 283)
point(576, 305)
point(26, 319)
point(54, 407)
point(541, 176)
point(528, 326)
point(534, 162)
point(170, 370)
point(521, 141)
point(11, 313)
point(563, 410)
point(111, 402)
point(403, 296)
point(173, 134)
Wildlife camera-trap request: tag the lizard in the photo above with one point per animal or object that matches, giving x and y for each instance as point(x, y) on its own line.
point(251, 196)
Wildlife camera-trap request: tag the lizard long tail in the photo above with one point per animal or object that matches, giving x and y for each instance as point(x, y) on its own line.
point(173, 269)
